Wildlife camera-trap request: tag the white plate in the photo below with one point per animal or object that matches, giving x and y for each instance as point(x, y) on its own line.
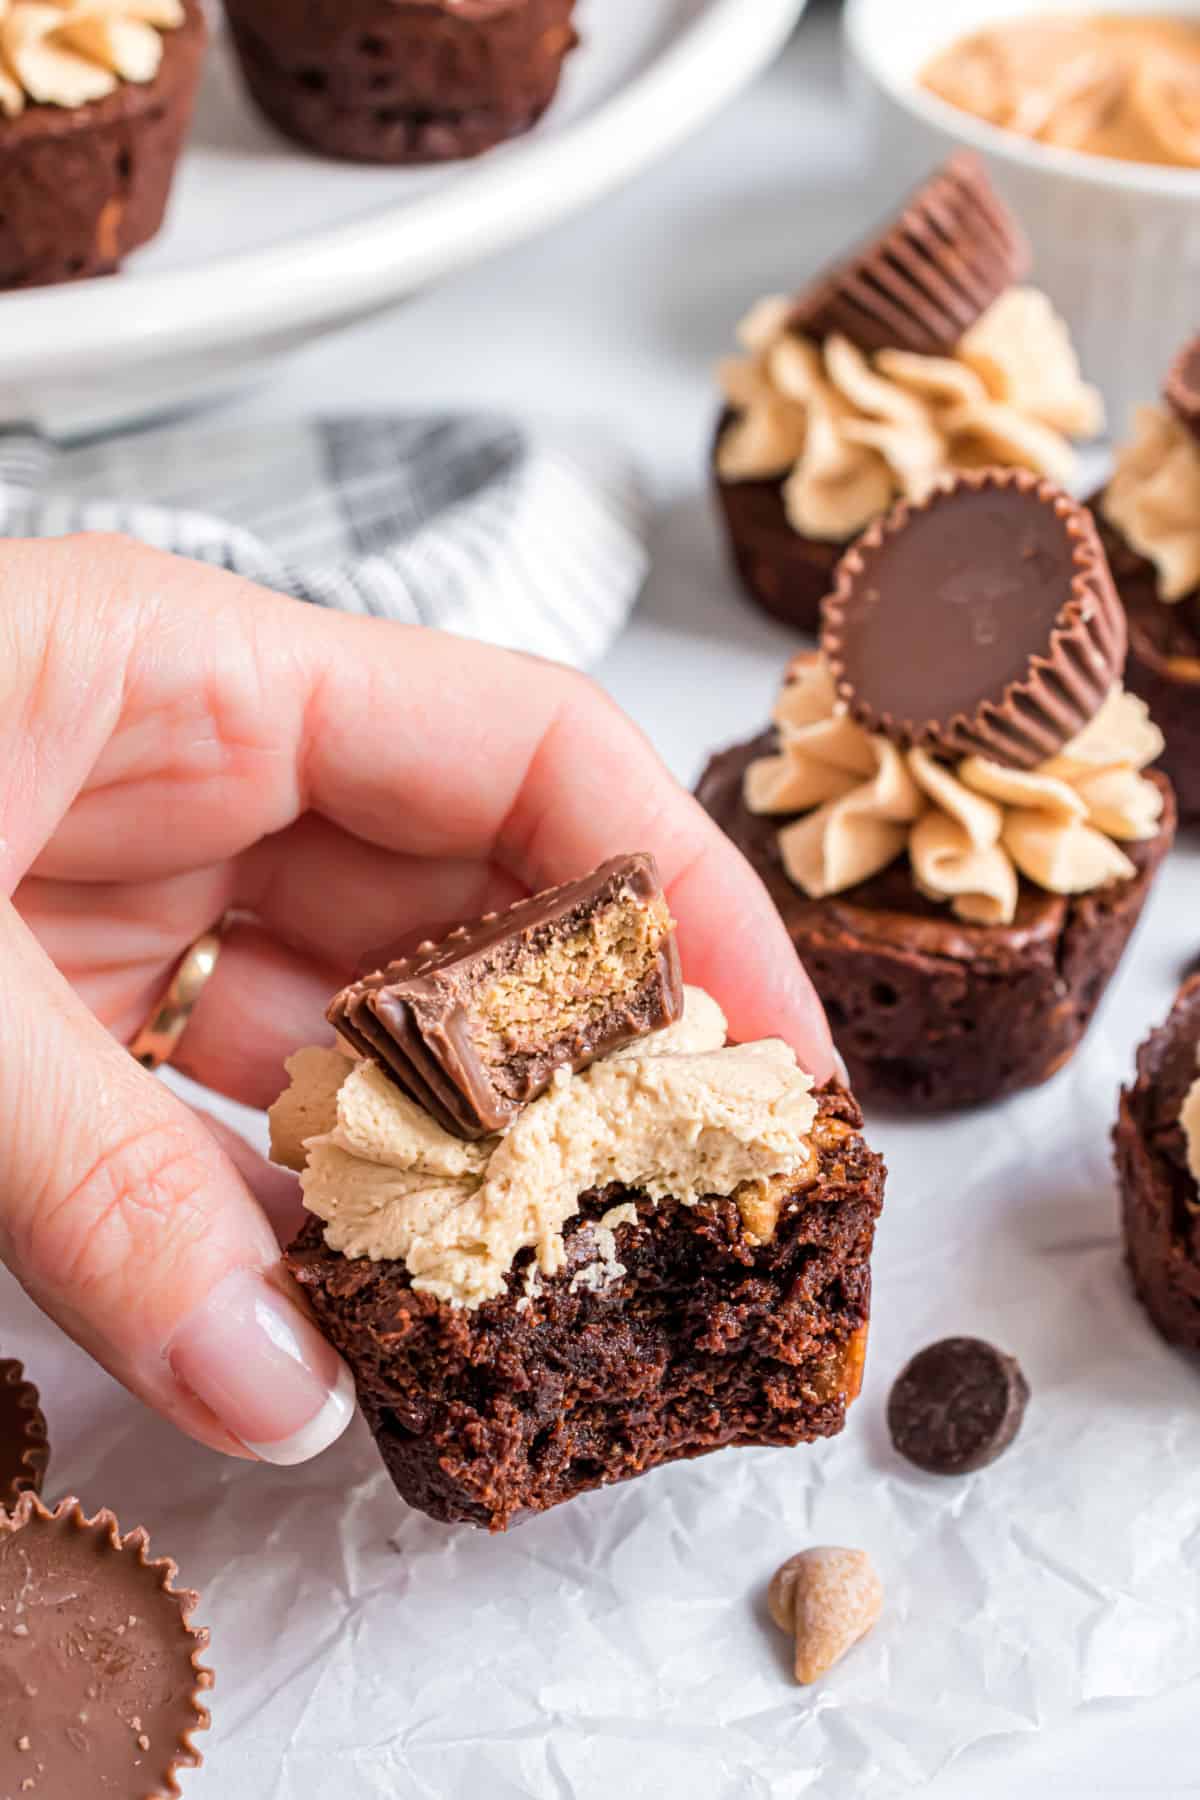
point(267, 246)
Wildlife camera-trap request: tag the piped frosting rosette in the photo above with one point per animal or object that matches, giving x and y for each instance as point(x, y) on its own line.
point(71, 52)
point(1153, 498)
point(856, 799)
point(917, 356)
point(848, 431)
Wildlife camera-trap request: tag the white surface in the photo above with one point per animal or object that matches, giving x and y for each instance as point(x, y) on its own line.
point(266, 244)
point(388, 1644)
point(1116, 244)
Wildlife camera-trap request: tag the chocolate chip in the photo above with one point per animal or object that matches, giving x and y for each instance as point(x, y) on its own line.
point(957, 1406)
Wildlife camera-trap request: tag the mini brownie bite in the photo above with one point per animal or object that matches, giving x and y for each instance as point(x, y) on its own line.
point(659, 1246)
point(951, 812)
point(1149, 518)
point(1157, 1142)
point(402, 81)
point(95, 102)
point(918, 355)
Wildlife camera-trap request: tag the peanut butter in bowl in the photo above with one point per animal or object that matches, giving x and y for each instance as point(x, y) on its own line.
point(1124, 86)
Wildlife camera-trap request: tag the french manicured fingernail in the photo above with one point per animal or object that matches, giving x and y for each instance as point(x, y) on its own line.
point(264, 1369)
point(839, 1063)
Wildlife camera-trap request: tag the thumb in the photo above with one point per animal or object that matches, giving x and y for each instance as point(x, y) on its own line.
point(127, 1222)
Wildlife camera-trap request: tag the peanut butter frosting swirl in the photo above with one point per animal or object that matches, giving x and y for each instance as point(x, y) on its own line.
point(1153, 499)
point(1124, 87)
point(971, 828)
point(70, 52)
point(677, 1114)
point(850, 433)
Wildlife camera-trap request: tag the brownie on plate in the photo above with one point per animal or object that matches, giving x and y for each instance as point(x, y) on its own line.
point(402, 81)
point(94, 108)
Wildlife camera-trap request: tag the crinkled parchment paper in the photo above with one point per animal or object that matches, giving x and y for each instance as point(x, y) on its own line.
point(621, 1644)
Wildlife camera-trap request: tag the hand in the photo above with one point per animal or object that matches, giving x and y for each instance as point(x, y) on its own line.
point(176, 744)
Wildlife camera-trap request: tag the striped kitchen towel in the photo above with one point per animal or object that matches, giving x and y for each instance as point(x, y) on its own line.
point(471, 524)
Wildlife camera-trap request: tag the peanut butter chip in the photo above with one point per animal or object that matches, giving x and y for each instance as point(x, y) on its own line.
point(827, 1598)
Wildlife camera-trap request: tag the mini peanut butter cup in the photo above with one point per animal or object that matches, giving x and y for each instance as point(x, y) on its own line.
point(24, 1445)
point(923, 281)
point(981, 621)
point(1182, 388)
point(99, 1672)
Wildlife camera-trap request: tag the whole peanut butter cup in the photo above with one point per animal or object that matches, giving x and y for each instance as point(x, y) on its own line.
point(981, 621)
point(924, 280)
point(24, 1445)
point(1182, 388)
point(99, 1672)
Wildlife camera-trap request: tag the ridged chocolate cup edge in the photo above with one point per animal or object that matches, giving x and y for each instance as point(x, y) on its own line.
point(1066, 684)
point(26, 1469)
point(856, 293)
point(69, 1514)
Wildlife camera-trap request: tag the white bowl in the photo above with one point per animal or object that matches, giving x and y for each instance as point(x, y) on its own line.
point(267, 246)
point(1116, 244)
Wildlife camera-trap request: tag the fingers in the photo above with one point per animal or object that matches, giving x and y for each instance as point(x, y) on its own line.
point(323, 891)
point(276, 1190)
point(533, 767)
point(261, 1002)
point(129, 1224)
point(247, 710)
point(113, 941)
